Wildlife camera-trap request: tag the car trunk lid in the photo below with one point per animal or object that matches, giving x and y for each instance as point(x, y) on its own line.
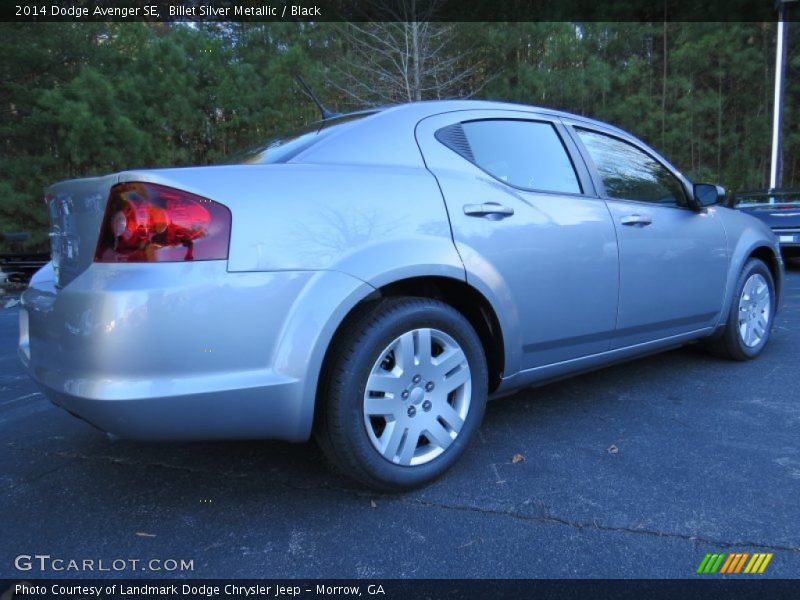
point(76, 210)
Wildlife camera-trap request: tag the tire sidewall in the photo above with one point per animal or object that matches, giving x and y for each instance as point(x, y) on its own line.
point(377, 337)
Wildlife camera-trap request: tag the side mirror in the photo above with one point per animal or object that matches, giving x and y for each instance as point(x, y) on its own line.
point(708, 194)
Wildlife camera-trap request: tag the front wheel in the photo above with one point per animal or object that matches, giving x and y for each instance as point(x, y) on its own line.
point(749, 322)
point(403, 394)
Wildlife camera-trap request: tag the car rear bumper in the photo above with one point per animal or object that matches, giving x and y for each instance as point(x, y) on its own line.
point(175, 351)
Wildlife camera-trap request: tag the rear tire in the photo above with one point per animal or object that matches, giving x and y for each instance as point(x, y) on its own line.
point(402, 394)
point(752, 311)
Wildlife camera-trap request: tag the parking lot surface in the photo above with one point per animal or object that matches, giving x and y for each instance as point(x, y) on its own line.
point(637, 470)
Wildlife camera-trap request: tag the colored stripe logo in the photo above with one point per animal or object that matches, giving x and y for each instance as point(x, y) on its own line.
point(739, 562)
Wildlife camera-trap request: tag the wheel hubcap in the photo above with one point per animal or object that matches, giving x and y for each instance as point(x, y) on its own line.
point(755, 309)
point(417, 397)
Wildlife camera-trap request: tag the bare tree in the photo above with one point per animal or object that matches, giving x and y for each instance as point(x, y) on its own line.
point(405, 57)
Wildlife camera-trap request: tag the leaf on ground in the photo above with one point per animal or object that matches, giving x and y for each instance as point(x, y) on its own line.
point(517, 458)
point(612, 449)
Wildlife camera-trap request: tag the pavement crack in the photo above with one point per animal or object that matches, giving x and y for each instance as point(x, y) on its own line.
point(580, 525)
point(124, 462)
point(365, 494)
point(98, 457)
point(13, 446)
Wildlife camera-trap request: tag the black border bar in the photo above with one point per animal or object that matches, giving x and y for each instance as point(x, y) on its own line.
point(396, 589)
point(393, 10)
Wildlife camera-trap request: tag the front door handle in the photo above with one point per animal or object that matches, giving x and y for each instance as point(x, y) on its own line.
point(488, 209)
point(636, 220)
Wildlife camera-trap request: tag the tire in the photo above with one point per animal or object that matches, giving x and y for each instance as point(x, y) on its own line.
point(365, 431)
point(746, 340)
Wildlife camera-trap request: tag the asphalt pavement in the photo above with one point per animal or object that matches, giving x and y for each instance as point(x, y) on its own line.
point(637, 470)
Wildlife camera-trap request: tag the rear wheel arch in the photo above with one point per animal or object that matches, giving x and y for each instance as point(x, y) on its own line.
point(464, 298)
point(469, 302)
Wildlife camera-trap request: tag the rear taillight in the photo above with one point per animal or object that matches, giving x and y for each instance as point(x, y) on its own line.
point(145, 222)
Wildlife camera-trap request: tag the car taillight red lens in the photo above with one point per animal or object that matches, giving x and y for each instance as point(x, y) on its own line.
point(145, 222)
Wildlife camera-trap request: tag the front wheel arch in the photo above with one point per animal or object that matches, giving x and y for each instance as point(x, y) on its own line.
point(769, 258)
point(727, 342)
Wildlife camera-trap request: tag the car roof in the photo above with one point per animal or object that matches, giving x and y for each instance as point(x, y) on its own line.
point(426, 108)
point(385, 135)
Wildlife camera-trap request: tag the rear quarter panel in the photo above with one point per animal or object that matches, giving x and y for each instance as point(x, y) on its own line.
point(350, 225)
point(377, 223)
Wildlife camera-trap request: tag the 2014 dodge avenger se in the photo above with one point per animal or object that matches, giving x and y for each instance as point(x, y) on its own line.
point(375, 278)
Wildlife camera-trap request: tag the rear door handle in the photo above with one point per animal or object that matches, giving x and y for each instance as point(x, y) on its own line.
point(636, 220)
point(488, 209)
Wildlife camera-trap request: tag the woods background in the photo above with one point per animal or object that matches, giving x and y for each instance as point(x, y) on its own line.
point(88, 98)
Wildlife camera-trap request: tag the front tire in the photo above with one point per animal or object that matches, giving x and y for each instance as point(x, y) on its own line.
point(750, 318)
point(403, 393)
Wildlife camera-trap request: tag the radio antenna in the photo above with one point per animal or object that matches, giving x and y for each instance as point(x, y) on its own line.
point(326, 114)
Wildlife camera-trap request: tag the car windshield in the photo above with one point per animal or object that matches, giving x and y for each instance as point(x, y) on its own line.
point(767, 198)
point(283, 147)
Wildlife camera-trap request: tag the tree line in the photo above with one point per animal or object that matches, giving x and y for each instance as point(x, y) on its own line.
point(90, 98)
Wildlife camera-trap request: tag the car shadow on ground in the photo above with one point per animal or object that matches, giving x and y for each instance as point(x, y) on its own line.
point(259, 470)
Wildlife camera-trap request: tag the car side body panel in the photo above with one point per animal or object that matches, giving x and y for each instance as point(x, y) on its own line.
point(546, 258)
point(672, 272)
point(673, 259)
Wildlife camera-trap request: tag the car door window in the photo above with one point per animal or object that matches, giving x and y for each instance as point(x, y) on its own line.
point(525, 154)
point(631, 174)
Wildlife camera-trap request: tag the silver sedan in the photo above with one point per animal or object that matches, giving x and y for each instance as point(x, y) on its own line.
point(374, 279)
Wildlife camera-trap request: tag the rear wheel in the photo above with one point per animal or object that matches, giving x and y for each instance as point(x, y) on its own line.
point(404, 393)
point(749, 322)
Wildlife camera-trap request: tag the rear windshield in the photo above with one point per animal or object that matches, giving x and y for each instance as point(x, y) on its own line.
point(767, 199)
point(283, 147)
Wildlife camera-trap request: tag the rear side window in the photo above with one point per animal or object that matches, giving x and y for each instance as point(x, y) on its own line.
point(525, 154)
point(630, 174)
